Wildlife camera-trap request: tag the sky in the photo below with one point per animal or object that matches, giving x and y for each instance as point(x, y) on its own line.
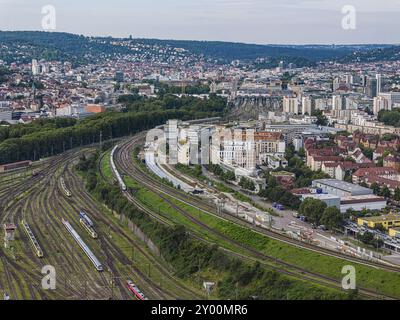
point(249, 21)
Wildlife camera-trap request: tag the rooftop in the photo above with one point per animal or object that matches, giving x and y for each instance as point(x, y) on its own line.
point(368, 198)
point(321, 196)
point(388, 217)
point(345, 186)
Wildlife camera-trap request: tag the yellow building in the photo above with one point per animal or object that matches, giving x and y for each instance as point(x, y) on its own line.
point(387, 221)
point(394, 232)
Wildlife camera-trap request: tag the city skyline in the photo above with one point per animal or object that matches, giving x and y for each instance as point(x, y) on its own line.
point(256, 21)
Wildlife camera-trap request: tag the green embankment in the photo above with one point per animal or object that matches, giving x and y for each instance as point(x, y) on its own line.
point(381, 281)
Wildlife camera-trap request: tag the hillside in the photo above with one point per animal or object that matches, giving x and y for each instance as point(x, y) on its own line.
point(22, 46)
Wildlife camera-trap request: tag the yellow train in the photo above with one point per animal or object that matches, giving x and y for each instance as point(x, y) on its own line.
point(64, 187)
point(88, 228)
point(32, 239)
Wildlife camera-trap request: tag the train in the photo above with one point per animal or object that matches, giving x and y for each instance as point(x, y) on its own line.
point(139, 295)
point(84, 247)
point(35, 245)
point(83, 215)
point(88, 228)
point(114, 169)
point(64, 187)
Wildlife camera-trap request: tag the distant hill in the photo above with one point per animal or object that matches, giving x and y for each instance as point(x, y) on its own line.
point(21, 46)
point(391, 53)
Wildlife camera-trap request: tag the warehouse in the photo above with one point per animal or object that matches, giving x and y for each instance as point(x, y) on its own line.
point(329, 199)
point(341, 188)
point(354, 203)
point(387, 221)
point(359, 203)
point(14, 166)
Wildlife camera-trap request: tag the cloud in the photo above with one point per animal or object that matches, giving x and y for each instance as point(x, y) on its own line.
point(260, 21)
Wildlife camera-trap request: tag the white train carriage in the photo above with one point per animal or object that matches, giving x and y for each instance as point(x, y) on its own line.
point(114, 169)
point(64, 187)
point(84, 247)
point(32, 239)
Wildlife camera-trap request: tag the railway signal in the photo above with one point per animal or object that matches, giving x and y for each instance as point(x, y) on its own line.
point(9, 234)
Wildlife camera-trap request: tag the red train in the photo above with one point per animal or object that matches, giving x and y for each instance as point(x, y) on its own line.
point(135, 291)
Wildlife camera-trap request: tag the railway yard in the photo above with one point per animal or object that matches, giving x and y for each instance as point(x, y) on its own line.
point(101, 258)
point(42, 201)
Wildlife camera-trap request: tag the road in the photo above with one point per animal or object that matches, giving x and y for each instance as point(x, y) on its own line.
point(126, 165)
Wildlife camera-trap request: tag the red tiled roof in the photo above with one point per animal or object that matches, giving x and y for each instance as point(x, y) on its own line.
point(391, 184)
point(374, 171)
point(328, 158)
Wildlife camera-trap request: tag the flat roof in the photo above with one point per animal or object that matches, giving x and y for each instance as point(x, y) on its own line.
point(321, 196)
point(388, 217)
point(368, 198)
point(345, 186)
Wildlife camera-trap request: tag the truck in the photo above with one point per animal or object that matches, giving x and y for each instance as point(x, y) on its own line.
point(280, 207)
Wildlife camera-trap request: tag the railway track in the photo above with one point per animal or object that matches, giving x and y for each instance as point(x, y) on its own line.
point(123, 157)
point(183, 291)
point(126, 164)
point(39, 201)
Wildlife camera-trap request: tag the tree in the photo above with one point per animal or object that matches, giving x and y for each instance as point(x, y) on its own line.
point(376, 188)
point(385, 192)
point(366, 238)
point(247, 184)
point(302, 153)
point(289, 152)
point(272, 183)
point(348, 177)
point(321, 119)
point(332, 218)
point(397, 194)
point(312, 209)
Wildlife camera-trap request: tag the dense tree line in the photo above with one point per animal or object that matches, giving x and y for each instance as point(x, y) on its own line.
point(390, 117)
point(225, 175)
point(188, 256)
point(194, 107)
point(318, 213)
point(164, 89)
point(247, 184)
point(42, 125)
point(276, 193)
point(304, 175)
point(228, 51)
point(45, 138)
point(49, 142)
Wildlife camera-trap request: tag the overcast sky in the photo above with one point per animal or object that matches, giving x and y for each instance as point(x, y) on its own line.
point(251, 21)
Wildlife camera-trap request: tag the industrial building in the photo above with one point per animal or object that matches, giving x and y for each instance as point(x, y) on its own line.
point(359, 203)
point(340, 188)
point(387, 221)
point(330, 199)
point(14, 166)
point(345, 196)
